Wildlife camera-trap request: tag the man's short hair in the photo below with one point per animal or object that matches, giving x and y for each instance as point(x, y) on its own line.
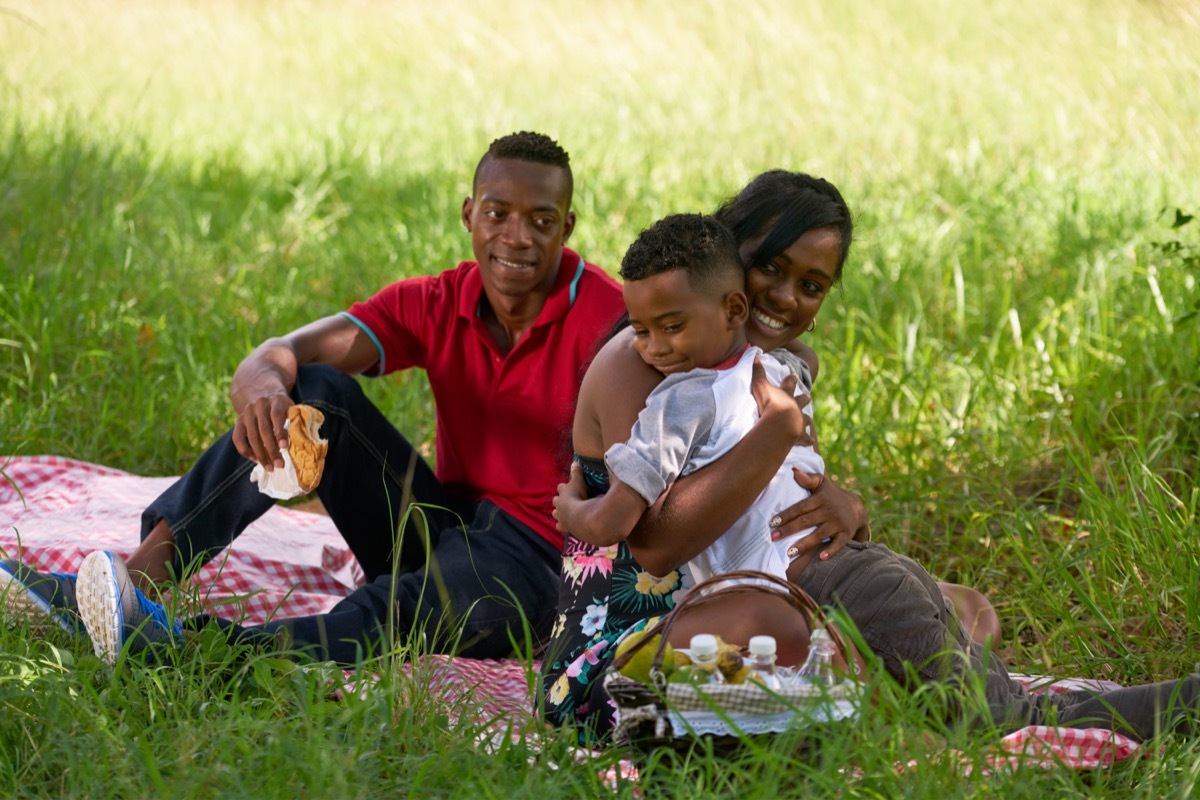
point(537, 148)
point(695, 243)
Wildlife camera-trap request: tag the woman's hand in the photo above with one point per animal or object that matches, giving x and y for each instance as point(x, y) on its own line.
point(780, 400)
point(837, 515)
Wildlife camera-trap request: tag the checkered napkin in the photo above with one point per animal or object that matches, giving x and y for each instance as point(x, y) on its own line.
point(750, 698)
point(747, 708)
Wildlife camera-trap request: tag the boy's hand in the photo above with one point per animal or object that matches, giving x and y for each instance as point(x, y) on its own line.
point(570, 495)
point(837, 515)
point(780, 399)
point(600, 521)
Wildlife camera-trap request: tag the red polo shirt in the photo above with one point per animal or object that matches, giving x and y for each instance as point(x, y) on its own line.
point(503, 422)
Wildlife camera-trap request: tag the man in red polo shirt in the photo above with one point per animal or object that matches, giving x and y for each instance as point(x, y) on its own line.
point(504, 340)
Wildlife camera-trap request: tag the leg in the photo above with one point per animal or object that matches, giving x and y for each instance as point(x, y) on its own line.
point(601, 597)
point(371, 475)
point(896, 606)
point(903, 616)
point(151, 563)
point(1136, 711)
point(480, 589)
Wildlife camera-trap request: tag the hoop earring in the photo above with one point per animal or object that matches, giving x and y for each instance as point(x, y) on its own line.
point(812, 326)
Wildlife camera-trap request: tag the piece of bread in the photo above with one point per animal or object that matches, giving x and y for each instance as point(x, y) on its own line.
point(306, 447)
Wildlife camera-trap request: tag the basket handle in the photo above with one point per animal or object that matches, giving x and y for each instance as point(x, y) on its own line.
point(797, 597)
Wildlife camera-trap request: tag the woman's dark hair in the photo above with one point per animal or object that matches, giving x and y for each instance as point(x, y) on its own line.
point(786, 205)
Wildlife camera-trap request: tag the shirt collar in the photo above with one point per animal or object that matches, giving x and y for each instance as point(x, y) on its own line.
point(734, 359)
point(558, 302)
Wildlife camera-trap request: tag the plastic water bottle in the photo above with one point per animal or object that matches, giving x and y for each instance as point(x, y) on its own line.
point(704, 658)
point(818, 667)
point(762, 663)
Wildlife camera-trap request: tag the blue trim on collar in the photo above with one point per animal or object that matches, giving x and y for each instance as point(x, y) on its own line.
point(371, 334)
point(575, 282)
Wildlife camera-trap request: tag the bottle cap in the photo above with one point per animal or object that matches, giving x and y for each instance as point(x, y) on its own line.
point(818, 634)
point(762, 645)
point(704, 644)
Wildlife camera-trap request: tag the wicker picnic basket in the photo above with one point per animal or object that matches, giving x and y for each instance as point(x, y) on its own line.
point(678, 715)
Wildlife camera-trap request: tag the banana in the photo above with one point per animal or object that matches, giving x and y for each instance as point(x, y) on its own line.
point(729, 661)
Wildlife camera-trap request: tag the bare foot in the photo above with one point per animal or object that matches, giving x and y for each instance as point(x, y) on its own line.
point(976, 612)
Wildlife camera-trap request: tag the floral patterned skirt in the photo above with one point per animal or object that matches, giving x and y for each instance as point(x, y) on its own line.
point(604, 593)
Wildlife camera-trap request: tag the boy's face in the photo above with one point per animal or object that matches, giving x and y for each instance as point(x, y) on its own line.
point(676, 329)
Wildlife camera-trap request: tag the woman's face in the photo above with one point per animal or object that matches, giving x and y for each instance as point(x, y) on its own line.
point(786, 293)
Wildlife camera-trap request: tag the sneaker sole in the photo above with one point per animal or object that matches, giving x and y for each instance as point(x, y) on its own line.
point(99, 599)
point(20, 604)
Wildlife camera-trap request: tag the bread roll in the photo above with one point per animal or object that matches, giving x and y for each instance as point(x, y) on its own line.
point(306, 447)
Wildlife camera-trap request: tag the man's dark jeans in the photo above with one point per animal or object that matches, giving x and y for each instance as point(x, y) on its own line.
point(470, 578)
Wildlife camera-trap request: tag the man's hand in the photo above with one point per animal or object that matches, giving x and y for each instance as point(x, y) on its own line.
point(779, 399)
point(261, 382)
point(259, 434)
point(837, 515)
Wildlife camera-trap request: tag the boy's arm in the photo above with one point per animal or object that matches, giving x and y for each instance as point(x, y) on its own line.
point(601, 521)
point(678, 413)
point(704, 504)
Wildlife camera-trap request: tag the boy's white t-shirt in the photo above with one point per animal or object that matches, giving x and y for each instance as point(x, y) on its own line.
point(692, 419)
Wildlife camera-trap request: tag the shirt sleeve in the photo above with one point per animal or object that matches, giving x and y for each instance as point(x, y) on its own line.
point(678, 417)
point(796, 365)
point(392, 318)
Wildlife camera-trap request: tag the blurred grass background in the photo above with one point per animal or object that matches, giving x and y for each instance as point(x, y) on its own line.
point(1010, 371)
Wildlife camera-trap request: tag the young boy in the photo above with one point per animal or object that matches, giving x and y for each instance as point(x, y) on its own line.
point(684, 293)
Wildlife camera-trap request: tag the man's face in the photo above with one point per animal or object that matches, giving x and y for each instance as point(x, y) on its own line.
point(519, 218)
point(676, 329)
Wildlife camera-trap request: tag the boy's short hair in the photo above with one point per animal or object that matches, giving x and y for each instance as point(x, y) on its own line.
point(537, 148)
point(695, 243)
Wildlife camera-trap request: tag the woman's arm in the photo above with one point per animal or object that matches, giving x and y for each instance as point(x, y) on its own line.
point(808, 354)
point(698, 508)
point(838, 515)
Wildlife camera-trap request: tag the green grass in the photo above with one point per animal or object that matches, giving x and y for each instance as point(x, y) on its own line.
point(1009, 373)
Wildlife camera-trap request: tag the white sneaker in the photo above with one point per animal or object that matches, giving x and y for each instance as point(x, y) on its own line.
point(115, 612)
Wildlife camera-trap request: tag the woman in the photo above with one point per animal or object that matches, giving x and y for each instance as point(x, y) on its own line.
point(783, 221)
point(794, 233)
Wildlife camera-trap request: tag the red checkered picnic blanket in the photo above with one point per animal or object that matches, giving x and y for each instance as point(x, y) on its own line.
point(54, 511)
